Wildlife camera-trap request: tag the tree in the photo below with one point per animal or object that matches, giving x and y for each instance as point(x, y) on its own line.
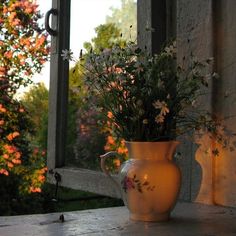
point(106, 36)
point(125, 19)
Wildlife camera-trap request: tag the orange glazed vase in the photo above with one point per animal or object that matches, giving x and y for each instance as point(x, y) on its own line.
point(150, 181)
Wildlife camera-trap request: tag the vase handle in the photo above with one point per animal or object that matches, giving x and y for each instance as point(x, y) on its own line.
point(106, 171)
point(103, 160)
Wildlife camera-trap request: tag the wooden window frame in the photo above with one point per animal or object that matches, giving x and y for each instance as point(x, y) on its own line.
point(152, 13)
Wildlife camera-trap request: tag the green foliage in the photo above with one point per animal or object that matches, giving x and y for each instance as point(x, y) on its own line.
point(106, 36)
point(125, 19)
point(36, 103)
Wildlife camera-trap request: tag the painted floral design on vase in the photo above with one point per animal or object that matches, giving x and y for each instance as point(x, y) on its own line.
point(133, 183)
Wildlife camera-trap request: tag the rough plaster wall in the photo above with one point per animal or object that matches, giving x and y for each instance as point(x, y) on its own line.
point(194, 35)
point(225, 99)
point(208, 28)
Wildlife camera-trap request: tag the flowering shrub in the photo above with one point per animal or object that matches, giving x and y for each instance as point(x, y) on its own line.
point(34, 172)
point(23, 45)
point(16, 154)
point(23, 50)
point(89, 138)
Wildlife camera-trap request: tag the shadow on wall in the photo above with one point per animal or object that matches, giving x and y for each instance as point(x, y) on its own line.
point(201, 187)
point(191, 170)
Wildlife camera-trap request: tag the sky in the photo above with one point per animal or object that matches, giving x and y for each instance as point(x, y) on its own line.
point(85, 16)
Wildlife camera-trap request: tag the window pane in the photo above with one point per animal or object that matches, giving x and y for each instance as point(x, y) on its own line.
point(86, 139)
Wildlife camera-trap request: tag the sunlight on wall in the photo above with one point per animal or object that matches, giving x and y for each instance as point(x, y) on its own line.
point(218, 173)
point(225, 173)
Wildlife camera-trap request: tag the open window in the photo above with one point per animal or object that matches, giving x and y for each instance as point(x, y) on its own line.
point(150, 14)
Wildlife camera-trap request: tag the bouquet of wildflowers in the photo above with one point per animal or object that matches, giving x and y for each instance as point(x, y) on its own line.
point(151, 98)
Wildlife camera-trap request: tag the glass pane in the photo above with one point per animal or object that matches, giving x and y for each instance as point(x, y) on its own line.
point(97, 25)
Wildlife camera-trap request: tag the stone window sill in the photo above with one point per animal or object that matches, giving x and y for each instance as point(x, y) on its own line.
point(187, 219)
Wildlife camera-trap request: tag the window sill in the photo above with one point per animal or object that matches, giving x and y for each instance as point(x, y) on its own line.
point(86, 180)
point(187, 219)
